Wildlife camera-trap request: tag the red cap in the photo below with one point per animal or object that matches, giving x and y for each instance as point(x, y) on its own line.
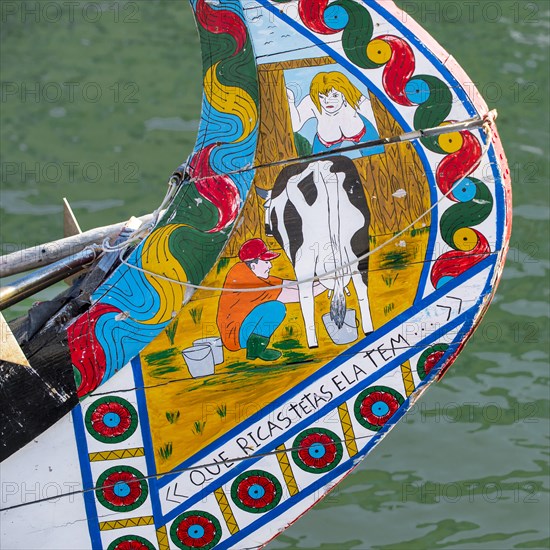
point(256, 249)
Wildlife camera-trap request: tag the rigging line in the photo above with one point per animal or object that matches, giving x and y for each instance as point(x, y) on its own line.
point(144, 229)
point(333, 274)
point(478, 122)
point(349, 273)
point(484, 123)
point(471, 123)
point(269, 369)
point(193, 468)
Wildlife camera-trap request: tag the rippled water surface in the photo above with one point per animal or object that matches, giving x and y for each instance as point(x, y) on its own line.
point(468, 466)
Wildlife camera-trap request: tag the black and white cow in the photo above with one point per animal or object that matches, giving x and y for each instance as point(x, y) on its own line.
point(318, 213)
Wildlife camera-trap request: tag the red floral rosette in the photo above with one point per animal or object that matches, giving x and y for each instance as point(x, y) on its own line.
point(112, 408)
point(122, 489)
point(376, 405)
point(111, 419)
point(317, 450)
point(430, 358)
point(190, 526)
point(131, 542)
point(256, 491)
point(195, 529)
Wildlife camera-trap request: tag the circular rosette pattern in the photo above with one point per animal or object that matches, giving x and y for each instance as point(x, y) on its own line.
point(131, 542)
point(429, 359)
point(376, 405)
point(122, 489)
point(256, 491)
point(111, 419)
point(317, 450)
point(195, 529)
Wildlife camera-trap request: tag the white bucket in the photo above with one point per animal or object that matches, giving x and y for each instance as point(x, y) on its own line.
point(199, 360)
point(216, 346)
point(347, 333)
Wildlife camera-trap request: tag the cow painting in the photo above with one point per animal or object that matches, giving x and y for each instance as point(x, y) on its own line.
point(318, 213)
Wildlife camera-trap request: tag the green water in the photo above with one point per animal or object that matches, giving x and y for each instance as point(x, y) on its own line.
point(468, 467)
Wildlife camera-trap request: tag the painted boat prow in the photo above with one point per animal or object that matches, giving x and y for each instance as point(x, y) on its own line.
point(215, 403)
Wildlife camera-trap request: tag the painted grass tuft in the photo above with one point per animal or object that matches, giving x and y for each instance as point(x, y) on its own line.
point(222, 264)
point(390, 279)
point(172, 416)
point(198, 427)
point(171, 331)
point(196, 314)
point(396, 259)
point(165, 451)
point(161, 358)
point(222, 410)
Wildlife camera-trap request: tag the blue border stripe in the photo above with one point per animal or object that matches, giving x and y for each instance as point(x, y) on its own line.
point(340, 469)
point(319, 484)
point(320, 413)
point(166, 479)
point(147, 441)
point(430, 56)
point(240, 467)
point(466, 101)
point(87, 480)
point(328, 367)
point(501, 202)
point(356, 459)
point(437, 66)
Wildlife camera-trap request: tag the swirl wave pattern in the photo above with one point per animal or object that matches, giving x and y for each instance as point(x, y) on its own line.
point(432, 99)
point(131, 308)
point(167, 451)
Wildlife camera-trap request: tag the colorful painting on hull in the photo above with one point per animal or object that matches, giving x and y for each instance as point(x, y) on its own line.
point(337, 278)
point(132, 307)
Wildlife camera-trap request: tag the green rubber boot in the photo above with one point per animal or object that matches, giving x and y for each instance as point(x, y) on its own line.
point(256, 348)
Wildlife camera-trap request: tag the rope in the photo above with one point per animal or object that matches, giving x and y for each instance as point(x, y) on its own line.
point(143, 230)
point(188, 469)
point(487, 127)
point(179, 174)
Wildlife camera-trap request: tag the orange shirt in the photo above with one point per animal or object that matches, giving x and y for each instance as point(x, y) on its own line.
point(235, 306)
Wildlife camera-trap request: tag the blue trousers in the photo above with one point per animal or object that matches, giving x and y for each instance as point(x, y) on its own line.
point(263, 320)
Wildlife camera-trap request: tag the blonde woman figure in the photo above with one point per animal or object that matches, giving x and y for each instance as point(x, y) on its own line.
point(341, 110)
